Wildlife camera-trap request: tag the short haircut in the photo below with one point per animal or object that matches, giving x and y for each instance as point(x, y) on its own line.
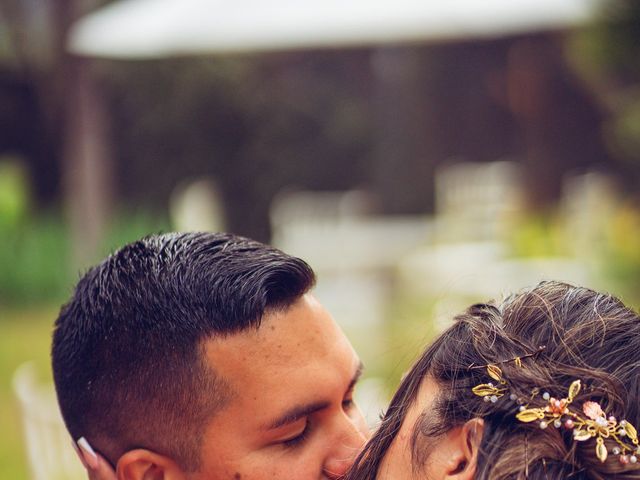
point(128, 350)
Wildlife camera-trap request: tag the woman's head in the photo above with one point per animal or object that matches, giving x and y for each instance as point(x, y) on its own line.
point(543, 339)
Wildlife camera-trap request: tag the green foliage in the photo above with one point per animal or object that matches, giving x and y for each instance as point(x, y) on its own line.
point(35, 260)
point(612, 250)
point(35, 270)
point(127, 227)
point(410, 327)
point(611, 45)
point(623, 131)
point(537, 236)
point(621, 254)
point(607, 56)
point(14, 192)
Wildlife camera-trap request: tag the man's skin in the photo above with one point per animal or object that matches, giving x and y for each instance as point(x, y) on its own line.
point(293, 418)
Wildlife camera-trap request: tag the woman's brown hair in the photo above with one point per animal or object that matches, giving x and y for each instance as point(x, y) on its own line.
point(585, 335)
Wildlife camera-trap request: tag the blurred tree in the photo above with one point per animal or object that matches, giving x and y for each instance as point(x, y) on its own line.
point(68, 107)
point(435, 104)
point(315, 120)
point(559, 120)
point(256, 124)
point(607, 56)
point(27, 118)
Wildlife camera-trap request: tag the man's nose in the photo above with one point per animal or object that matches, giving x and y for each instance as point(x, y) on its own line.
point(349, 442)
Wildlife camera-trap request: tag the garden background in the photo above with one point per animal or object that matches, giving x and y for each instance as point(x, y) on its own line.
point(415, 177)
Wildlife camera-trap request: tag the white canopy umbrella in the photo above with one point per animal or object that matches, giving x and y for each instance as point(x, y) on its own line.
point(158, 28)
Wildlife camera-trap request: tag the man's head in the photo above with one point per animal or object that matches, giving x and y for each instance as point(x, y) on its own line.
point(168, 346)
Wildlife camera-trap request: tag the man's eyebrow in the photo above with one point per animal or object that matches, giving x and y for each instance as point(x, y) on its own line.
point(296, 413)
point(301, 411)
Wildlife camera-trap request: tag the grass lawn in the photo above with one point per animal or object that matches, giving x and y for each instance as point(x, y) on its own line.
point(24, 335)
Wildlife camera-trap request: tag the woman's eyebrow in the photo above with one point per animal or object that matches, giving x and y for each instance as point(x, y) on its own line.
point(416, 436)
point(419, 442)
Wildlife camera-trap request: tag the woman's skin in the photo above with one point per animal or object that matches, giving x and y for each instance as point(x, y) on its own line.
point(452, 456)
point(97, 467)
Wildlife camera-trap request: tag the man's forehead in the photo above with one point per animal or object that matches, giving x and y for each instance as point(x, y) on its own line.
point(303, 336)
point(283, 331)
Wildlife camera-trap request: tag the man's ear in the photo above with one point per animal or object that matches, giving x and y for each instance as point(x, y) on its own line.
point(143, 464)
point(463, 461)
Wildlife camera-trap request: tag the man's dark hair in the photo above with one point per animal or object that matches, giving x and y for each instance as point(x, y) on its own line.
point(127, 349)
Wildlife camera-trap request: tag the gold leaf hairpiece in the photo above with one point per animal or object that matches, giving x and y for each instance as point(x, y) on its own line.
point(489, 391)
point(589, 422)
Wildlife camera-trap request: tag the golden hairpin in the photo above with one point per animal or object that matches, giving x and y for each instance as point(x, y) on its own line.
point(589, 422)
point(491, 392)
point(516, 360)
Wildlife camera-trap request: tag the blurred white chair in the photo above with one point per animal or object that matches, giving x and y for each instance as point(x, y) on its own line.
point(197, 206)
point(589, 202)
point(48, 445)
point(476, 199)
point(354, 254)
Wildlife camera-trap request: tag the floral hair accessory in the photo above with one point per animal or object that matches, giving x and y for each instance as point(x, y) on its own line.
point(488, 391)
point(589, 422)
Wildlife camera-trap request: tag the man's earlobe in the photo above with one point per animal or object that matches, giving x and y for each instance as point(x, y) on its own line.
point(141, 464)
point(465, 463)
